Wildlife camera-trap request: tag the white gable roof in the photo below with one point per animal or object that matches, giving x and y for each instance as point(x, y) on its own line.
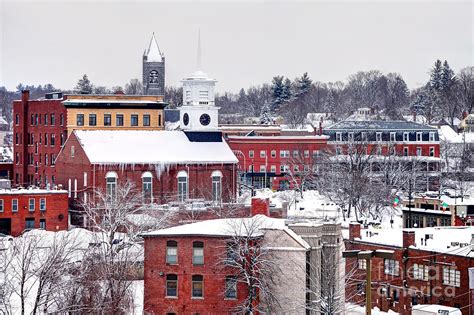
point(151, 147)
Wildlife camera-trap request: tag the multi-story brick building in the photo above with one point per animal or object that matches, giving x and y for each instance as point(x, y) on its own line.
point(24, 209)
point(430, 266)
point(269, 161)
point(42, 126)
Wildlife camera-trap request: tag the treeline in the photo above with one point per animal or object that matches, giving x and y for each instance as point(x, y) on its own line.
point(446, 94)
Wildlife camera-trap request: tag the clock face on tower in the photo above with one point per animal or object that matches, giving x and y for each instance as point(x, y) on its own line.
point(205, 119)
point(185, 119)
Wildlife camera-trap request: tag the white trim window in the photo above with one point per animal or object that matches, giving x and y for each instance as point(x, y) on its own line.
point(1, 205)
point(451, 276)
point(216, 177)
point(306, 153)
point(14, 205)
point(405, 151)
point(263, 169)
point(419, 151)
point(432, 151)
point(338, 151)
point(42, 204)
point(273, 153)
point(263, 153)
point(147, 186)
point(420, 272)
point(432, 136)
point(391, 267)
point(31, 204)
point(273, 168)
point(251, 154)
point(182, 186)
point(364, 136)
point(338, 136)
point(393, 137)
point(378, 136)
point(350, 137)
point(419, 136)
point(362, 264)
point(406, 136)
point(111, 184)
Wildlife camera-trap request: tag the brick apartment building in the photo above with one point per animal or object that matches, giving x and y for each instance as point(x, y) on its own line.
point(430, 266)
point(24, 209)
point(41, 127)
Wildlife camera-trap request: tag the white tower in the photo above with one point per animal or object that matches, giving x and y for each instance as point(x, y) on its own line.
point(199, 111)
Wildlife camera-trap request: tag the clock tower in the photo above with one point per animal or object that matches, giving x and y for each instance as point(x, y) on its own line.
point(199, 112)
point(153, 69)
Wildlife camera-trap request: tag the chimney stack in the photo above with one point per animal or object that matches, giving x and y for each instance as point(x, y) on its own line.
point(321, 127)
point(354, 230)
point(414, 116)
point(408, 239)
point(260, 206)
point(25, 96)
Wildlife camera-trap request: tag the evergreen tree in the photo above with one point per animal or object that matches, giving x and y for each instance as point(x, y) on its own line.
point(277, 92)
point(447, 79)
point(303, 84)
point(265, 116)
point(435, 77)
point(330, 102)
point(83, 86)
point(287, 90)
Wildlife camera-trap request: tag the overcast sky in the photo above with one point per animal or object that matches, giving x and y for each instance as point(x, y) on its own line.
point(243, 43)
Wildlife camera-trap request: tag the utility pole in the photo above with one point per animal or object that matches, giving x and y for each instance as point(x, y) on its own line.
point(367, 255)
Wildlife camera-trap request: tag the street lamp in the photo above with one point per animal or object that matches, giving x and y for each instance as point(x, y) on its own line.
point(367, 255)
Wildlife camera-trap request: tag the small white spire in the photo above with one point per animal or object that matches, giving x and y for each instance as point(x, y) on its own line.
point(154, 54)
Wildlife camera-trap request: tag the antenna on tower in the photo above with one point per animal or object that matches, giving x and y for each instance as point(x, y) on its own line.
point(199, 50)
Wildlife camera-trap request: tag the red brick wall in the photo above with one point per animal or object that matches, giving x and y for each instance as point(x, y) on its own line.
point(213, 272)
point(56, 213)
point(405, 283)
point(165, 185)
point(24, 109)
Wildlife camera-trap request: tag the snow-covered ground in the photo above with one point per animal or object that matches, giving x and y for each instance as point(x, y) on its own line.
point(353, 309)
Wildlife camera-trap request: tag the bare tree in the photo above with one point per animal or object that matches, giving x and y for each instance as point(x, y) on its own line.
point(134, 87)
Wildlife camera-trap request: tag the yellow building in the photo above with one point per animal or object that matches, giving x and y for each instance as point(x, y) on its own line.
point(114, 112)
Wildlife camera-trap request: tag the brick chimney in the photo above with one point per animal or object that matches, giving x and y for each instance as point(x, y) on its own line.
point(414, 115)
point(321, 127)
point(464, 114)
point(408, 239)
point(354, 230)
point(25, 96)
point(260, 206)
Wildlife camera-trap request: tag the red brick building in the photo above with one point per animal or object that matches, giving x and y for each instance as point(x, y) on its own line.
point(23, 209)
point(39, 130)
point(167, 166)
point(430, 266)
point(266, 161)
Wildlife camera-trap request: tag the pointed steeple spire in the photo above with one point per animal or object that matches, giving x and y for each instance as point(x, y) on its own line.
point(153, 53)
point(199, 65)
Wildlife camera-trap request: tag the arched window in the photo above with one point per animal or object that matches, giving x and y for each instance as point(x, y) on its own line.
point(147, 187)
point(171, 285)
point(182, 186)
point(171, 252)
point(216, 186)
point(198, 286)
point(198, 253)
point(111, 184)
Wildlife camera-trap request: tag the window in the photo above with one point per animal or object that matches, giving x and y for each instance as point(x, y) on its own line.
point(315, 154)
point(273, 168)
point(53, 139)
point(378, 136)
point(362, 264)
point(119, 120)
point(52, 159)
point(338, 136)
point(30, 223)
point(432, 137)
point(419, 136)
point(182, 186)
point(391, 267)
point(216, 186)
point(197, 286)
point(231, 287)
point(92, 120)
point(396, 295)
point(198, 253)
point(61, 119)
point(296, 168)
point(251, 168)
point(251, 153)
point(42, 204)
point(52, 119)
point(31, 204)
point(45, 119)
point(107, 120)
point(17, 119)
point(284, 153)
point(451, 276)
point(418, 151)
point(306, 153)
point(263, 168)
point(146, 120)
point(14, 205)
point(171, 285)
point(43, 224)
point(420, 272)
point(350, 136)
point(1, 205)
point(32, 119)
point(273, 154)
point(364, 136)
point(111, 184)
point(406, 136)
point(134, 120)
point(159, 120)
point(263, 153)
point(147, 186)
point(379, 150)
point(45, 139)
point(432, 151)
point(283, 168)
point(392, 137)
point(171, 252)
point(405, 151)
point(295, 153)
point(17, 138)
point(338, 151)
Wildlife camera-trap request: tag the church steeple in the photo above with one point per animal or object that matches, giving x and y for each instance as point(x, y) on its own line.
point(153, 69)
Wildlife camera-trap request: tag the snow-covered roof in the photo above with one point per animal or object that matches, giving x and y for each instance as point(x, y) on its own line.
point(312, 137)
point(153, 53)
point(151, 147)
point(230, 227)
point(379, 125)
point(31, 191)
point(108, 101)
point(447, 134)
point(435, 309)
point(198, 75)
point(447, 240)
